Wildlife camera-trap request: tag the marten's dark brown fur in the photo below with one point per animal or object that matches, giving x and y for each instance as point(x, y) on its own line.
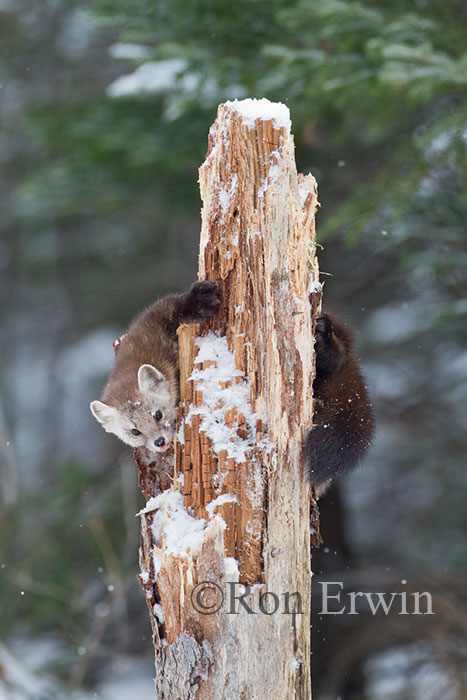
point(343, 417)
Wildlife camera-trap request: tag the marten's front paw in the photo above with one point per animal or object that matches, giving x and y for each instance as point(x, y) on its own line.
point(203, 299)
point(330, 347)
point(323, 335)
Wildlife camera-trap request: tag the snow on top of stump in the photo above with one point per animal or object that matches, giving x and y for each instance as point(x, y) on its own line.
point(252, 109)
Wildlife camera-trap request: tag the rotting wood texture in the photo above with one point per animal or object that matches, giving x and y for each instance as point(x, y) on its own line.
point(257, 243)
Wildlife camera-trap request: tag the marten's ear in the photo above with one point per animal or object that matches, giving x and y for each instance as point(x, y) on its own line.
point(107, 416)
point(149, 379)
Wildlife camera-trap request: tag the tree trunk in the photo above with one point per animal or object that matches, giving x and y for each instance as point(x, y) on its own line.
point(238, 513)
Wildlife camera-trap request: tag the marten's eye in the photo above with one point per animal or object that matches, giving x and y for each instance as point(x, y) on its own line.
point(158, 415)
point(136, 432)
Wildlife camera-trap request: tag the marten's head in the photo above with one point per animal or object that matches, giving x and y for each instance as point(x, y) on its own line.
point(146, 416)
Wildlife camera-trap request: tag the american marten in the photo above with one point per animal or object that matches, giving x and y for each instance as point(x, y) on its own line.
point(139, 401)
point(343, 417)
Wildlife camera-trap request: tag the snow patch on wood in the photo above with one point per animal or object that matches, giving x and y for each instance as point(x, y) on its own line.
point(224, 388)
point(315, 287)
point(180, 533)
point(219, 501)
point(158, 611)
point(226, 194)
point(232, 572)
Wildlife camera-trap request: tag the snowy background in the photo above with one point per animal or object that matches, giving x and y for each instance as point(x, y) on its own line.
point(105, 110)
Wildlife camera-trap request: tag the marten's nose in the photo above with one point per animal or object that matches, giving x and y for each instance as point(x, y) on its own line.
point(160, 442)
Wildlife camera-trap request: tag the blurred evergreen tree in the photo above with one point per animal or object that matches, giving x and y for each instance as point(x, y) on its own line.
point(104, 124)
point(381, 88)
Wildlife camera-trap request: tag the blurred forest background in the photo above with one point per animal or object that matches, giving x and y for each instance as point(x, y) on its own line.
point(105, 109)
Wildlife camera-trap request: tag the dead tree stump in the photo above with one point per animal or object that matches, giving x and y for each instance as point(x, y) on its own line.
point(236, 521)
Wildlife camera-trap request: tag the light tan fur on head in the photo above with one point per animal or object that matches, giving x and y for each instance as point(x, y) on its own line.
point(150, 410)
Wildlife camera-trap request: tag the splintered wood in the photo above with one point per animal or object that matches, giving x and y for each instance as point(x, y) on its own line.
point(246, 386)
point(207, 474)
point(257, 244)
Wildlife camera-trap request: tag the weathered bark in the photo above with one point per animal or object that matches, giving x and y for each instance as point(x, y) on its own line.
point(257, 243)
